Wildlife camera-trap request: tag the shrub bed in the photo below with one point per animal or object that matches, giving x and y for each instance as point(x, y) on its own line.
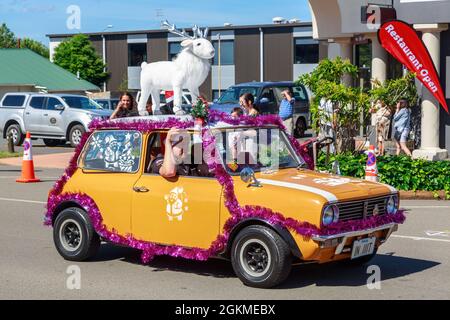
point(401, 172)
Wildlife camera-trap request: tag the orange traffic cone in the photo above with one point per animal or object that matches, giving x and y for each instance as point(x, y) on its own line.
point(371, 165)
point(27, 163)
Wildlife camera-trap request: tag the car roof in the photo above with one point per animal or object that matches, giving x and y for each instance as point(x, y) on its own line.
point(109, 124)
point(265, 84)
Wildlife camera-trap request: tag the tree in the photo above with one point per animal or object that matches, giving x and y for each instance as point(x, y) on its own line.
point(35, 46)
point(77, 54)
point(7, 38)
point(325, 82)
point(392, 90)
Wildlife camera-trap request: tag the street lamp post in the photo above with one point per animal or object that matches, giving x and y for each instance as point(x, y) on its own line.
point(104, 52)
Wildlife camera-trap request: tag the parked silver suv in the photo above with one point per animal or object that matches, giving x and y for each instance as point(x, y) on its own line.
point(56, 118)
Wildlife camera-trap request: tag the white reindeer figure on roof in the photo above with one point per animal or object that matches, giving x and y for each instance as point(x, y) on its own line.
point(188, 71)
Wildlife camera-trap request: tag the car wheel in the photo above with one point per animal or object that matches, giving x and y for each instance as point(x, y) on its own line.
point(75, 134)
point(16, 133)
point(300, 128)
point(52, 142)
point(74, 236)
point(260, 257)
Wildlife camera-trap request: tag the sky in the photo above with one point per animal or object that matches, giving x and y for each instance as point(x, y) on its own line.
point(37, 18)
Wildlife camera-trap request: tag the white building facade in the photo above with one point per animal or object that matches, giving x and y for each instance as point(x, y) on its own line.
point(344, 24)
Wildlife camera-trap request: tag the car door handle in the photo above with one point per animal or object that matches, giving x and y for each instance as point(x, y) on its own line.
point(45, 114)
point(140, 189)
point(27, 113)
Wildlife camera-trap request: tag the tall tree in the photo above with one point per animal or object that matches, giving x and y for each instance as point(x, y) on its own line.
point(35, 46)
point(77, 54)
point(7, 38)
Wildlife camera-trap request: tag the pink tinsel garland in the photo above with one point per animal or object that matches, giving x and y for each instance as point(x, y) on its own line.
point(237, 213)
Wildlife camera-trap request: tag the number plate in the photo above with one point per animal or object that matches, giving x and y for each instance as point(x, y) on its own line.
point(363, 247)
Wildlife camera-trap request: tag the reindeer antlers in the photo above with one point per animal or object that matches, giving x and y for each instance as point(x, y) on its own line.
point(197, 32)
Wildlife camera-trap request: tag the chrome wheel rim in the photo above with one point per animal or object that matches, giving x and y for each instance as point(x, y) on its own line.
point(76, 136)
point(70, 235)
point(255, 257)
point(15, 134)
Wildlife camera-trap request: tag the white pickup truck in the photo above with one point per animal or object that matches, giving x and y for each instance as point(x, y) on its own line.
point(56, 118)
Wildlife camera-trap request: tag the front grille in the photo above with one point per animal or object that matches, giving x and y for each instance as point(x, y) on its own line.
point(357, 210)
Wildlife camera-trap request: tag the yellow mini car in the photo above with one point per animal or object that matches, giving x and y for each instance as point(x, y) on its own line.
point(248, 196)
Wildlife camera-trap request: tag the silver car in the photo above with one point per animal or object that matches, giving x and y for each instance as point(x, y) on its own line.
point(55, 118)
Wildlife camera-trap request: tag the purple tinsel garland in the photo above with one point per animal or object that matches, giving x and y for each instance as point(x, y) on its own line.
point(237, 213)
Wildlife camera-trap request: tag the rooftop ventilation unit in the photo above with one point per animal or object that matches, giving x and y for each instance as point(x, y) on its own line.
point(227, 24)
point(278, 20)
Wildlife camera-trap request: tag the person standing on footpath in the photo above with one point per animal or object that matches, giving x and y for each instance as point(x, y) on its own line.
point(286, 112)
point(402, 126)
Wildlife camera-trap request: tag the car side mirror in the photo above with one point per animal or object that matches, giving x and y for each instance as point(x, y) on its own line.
point(59, 107)
point(215, 100)
point(247, 175)
point(264, 100)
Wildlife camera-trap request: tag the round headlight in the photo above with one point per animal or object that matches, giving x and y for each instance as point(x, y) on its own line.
point(330, 215)
point(392, 205)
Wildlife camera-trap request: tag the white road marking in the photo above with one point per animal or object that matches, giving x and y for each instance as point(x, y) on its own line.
point(437, 233)
point(22, 200)
point(419, 238)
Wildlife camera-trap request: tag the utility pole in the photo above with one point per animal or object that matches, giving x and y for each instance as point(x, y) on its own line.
point(104, 52)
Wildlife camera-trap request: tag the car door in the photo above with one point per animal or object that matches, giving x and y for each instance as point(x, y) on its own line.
point(34, 114)
point(267, 102)
point(53, 121)
point(183, 211)
point(110, 166)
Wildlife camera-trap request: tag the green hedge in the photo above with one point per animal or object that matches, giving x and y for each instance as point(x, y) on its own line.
point(401, 172)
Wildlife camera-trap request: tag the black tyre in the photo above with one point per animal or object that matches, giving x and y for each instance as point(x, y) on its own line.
point(260, 257)
point(74, 236)
point(16, 133)
point(75, 134)
point(300, 128)
point(52, 142)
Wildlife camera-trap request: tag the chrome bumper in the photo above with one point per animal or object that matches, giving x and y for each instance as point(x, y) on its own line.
point(341, 238)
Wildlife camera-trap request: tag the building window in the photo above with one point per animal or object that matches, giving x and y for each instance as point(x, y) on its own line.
point(306, 50)
point(137, 53)
point(174, 49)
point(226, 52)
point(363, 55)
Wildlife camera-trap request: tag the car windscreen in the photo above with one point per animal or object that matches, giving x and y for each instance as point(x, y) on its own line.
point(232, 94)
point(299, 93)
point(261, 149)
point(114, 103)
point(103, 103)
point(81, 103)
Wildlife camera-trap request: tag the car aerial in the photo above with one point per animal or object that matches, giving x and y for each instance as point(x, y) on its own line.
point(108, 104)
point(268, 98)
point(263, 209)
point(55, 118)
